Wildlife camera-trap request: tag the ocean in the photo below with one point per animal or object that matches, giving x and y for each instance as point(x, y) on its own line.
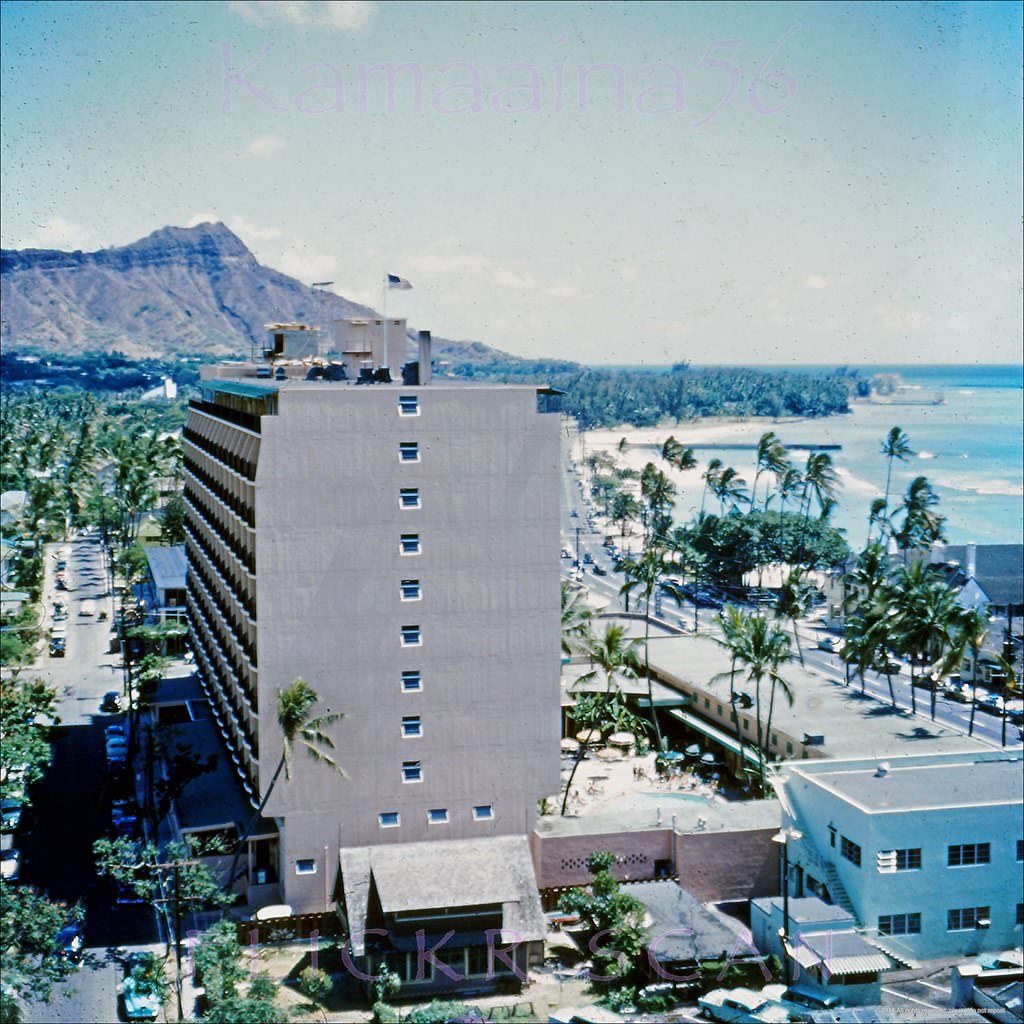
point(970, 447)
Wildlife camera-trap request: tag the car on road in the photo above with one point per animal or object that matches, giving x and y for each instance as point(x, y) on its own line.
point(60, 584)
point(10, 813)
point(600, 571)
point(566, 553)
point(574, 514)
point(741, 1006)
point(588, 558)
point(991, 704)
point(959, 692)
point(833, 644)
point(111, 701)
point(58, 647)
point(143, 987)
point(88, 608)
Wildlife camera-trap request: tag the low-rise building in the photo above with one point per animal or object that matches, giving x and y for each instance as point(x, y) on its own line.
point(926, 851)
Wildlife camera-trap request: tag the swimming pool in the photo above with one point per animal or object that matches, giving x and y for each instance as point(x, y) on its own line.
point(649, 801)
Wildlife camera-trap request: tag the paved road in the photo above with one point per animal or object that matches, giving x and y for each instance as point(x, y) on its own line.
point(579, 533)
point(69, 810)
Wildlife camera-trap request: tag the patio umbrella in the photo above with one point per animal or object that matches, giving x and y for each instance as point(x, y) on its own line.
point(588, 735)
point(693, 750)
point(708, 759)
point(570, 745)
point(608, 754)
point(671, 755)
point(621, 739)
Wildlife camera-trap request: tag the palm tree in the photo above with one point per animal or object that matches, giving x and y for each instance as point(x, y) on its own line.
point(728, 487)
point(877, 514)
point(576, 618)
point(297, 728)
point(677, 455)
point(971, 630)
point(647, 574)
point(659, 493)
point(789, 482)
point(710, 477)
point(794, 602)
point(895, 446)
point(771, 456)
point(763, 649)
point(614, 654)
point(821, 483)
point(734, 623)
point(922, 526)
point(623, 509)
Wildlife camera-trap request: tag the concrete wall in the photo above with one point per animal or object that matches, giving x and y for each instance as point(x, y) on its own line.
point(713, 866)
point(330, 611)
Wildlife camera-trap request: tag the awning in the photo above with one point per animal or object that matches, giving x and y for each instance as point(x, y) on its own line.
point(723, 739)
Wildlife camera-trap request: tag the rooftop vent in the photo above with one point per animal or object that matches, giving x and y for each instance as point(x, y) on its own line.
point(811, 740)
point(882, 770)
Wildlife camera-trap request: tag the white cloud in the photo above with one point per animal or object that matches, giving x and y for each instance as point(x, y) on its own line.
point(201, 218)
point(344, 15)
point(265, 145)
point(816, 281)
point(58, 233)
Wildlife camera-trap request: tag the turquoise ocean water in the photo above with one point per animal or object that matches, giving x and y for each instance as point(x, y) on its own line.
point(970, 447)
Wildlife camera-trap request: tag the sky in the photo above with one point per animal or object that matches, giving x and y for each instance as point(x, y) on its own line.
point(620, 183)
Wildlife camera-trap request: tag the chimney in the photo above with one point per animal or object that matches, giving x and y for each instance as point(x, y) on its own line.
point(972, 559)
point(424, 346)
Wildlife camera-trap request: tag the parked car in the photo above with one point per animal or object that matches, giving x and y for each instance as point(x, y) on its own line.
point(833, 644)
point(800, 1001)
point(88, 608)
point(111, 701)
point(991, 704)
point(142, 988)
point(114, 732)
point(588, 558)
point(566, 553)
point(741, 1006)
point(600, 570)
point(10, 813)
point(10, 864)
point(70, 941)
point(959, 692)
point(58, 647)
point(117, 752)
point(60, 584)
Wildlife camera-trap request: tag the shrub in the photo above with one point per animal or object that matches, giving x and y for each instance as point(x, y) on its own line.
point(315, 984)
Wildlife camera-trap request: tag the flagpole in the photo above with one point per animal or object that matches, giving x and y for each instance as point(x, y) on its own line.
point(384, 318)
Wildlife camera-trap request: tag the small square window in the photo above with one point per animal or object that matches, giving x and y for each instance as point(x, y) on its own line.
point(412, 771)
point(411, 726)
point(412, 681)
point(389, 819)
point(408, 451)
point(437, 816)
point(411, 636)
point(1020, 849)
point(483, 812)
point(305, 867)
point(408, 405)
point(411, 590)
point(410, 544)
point(409, 497)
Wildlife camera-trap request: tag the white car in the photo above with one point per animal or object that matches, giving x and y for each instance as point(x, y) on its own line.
point(10, 863)
point(834, 644)
point(741, 1006)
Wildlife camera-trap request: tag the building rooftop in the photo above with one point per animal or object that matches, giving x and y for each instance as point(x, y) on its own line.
point(629, 815)
point(682, 928)
point(850, 724)
point(922, 783)
point(808, 910)
point(167, 566)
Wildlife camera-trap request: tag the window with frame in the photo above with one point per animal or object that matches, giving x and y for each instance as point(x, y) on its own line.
point(412, 771)
point(412, 680)
point(964, 919)
point(409, 497)
point(411, 726)
point(388, 819)
point(408, 405)
point(409, 451)
point(410, 590)
point(1020, 849)
point(478, 960)
point(965, 855)
point(411, 636)
point(410, 544)
point(483, 812)
point(850, 850)
point(1020, 913)
point(908, 860)
point(899, 924)
point(437, 816)
point(305, 866)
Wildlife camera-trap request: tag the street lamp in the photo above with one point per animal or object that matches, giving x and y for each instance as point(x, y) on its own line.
point(782, 837)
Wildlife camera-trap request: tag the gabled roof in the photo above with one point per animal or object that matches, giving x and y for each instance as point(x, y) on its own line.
point(445, 874)
point(167, 565)
point(999, 570)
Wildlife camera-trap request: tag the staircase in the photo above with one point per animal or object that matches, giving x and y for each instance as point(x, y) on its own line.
point(837, 890)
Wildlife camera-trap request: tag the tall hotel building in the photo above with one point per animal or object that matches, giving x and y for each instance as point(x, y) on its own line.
point(394, 545)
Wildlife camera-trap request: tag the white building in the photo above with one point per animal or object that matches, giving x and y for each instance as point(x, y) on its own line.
point(926, 851)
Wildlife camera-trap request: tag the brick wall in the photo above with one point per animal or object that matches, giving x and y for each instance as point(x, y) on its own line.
point(561, 861)
point(717, 866)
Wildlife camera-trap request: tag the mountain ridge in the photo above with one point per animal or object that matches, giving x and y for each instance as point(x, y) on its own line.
point(177, 291)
